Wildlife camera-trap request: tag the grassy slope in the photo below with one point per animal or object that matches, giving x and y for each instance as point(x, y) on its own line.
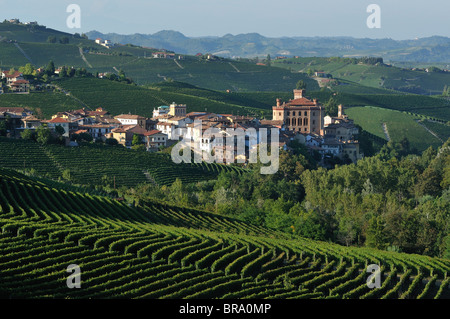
point(155, 250)
point(381, 76)
point(218, 75)
point(88, 164)
point(399, 125)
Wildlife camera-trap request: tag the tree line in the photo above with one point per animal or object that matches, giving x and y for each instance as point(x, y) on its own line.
point(394, 200)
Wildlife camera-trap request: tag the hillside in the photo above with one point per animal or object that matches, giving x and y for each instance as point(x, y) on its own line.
point(21, 44)
point(380, 76)
point(431, 49)
point(102, 165)
point(159, 251)
point(397, 125)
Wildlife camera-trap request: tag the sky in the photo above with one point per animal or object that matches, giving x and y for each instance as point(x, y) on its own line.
point(399, 19)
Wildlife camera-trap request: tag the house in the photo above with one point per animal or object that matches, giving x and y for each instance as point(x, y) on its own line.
point(163, 55)
point(97, 131)
point(58, 121)
point(168, 129)
point(15, 81)
point(162, 110)
point(20, 86)
point(130, 119)
point(31, 122)
point(154, 139)
point(122, 135)
point(19, 111)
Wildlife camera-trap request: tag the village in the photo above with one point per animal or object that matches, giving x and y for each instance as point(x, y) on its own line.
point(298, 119)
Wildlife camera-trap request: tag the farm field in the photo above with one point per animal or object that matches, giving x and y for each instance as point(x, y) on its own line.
point(376, 76)
point(119, 98)
point(399, 126)
point(159, 251)
point(44, 104)
point(90, 163)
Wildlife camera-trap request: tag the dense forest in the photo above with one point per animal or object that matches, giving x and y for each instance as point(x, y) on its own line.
point(394, 200)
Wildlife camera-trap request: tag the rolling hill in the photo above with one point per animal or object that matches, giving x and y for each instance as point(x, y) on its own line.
point(431, 49)
point(21, 44)
point(93, 165)
point(380, 76)
point(156, 250)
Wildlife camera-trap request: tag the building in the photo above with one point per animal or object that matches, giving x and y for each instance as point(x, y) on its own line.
point(15, 81)
point(177, 109)
point(155, 139)
point(130, 119)
point(162, 110)
point(31, 122)
point(58, 121)
point(300, 114)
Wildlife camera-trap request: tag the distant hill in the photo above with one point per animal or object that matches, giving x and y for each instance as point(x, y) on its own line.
point(21, 44)
point(430, 49)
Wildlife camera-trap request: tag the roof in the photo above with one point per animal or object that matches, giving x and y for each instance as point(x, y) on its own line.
point(153, 132)
point(14, 109)
point(13, 75)
point(21, 82)
point(58, 120)
point(129, 117)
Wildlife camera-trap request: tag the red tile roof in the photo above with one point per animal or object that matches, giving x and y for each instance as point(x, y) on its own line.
point(58, 120)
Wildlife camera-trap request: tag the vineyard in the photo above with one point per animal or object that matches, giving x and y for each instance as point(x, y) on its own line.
point(93, 164)
point(159, 251)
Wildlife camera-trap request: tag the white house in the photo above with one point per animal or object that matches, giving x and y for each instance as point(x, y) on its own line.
point(58, 121)
point(155, 139)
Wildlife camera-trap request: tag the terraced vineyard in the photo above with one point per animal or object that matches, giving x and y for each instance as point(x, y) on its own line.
point(160, 251)
point(90, 164)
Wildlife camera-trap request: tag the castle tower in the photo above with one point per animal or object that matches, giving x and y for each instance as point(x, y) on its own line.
point(177, 109)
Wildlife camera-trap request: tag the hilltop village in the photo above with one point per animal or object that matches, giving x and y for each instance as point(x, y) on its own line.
point(299, 119)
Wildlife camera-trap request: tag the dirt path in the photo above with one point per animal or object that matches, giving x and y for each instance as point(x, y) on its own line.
point(23, 52)
point(386, 132)
point(179, 65)
point(429, 131)
point(234, 67)
point(84, 58)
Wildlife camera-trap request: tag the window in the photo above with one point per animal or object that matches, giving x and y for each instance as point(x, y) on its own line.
point(293, 113)
point(314, 122)
point(306, 113)
point(314, 113)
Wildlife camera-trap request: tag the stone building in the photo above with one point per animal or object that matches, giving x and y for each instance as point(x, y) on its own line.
point(300, 114)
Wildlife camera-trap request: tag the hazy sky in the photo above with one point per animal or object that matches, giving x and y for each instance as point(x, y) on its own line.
point(400, 19)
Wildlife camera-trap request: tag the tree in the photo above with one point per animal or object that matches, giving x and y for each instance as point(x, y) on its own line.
point(64, 40)
point(28, 69)
point(111, 141)
point(331, 107)
point(301, 85)
point(67, 175)
point(43, 134)
point(51, 39)
point(27, 134)
point(268, 60)
point(63, 72)
point(376, 236)
point(60, 130)
point(50, 69)
point(136, 140)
